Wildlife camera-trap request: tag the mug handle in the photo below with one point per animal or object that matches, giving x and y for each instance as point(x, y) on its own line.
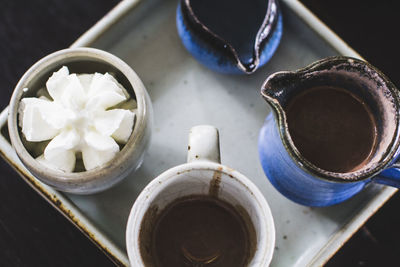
point(389, 176)
point(203, 144)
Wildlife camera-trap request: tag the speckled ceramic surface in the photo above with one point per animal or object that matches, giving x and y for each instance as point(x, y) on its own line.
point(143, 34)
point(289, 171)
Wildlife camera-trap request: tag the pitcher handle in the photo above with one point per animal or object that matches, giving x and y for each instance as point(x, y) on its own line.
point(203, 144)
point(390, 176)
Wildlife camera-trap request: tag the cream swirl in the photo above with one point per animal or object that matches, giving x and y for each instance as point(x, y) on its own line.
point(78, 116)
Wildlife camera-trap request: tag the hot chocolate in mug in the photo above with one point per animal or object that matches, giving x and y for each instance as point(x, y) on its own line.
point(178, 219)
point(333, 129)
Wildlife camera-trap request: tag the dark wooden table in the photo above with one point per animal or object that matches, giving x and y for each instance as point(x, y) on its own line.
point(32, 233)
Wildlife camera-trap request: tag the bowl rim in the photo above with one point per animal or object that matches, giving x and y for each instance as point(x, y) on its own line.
point(56, 177)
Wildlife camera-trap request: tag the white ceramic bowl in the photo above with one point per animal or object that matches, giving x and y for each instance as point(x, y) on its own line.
point(84, 60)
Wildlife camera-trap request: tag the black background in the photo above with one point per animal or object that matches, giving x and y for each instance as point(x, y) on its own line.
point(32, 233)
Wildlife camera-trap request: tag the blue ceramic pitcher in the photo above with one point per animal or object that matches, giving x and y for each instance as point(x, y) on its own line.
point(230, 36)
point(287, 169)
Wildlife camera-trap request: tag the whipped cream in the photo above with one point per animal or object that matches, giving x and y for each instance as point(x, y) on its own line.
point(82, 114)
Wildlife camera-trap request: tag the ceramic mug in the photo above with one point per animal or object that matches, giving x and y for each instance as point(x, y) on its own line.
point(294, 176)
point(201, 175)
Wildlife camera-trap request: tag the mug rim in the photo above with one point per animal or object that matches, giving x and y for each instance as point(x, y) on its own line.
point(157, 185)
point(55, 177)
point(307, 166)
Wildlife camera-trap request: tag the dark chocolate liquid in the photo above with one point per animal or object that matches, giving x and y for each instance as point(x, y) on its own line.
point(235, 21)
point(332, 128)
point(200, 231)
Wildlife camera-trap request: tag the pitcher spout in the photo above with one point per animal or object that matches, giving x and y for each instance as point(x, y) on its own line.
point(278, 88)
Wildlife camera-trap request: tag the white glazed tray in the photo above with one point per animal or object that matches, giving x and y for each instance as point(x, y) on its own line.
point(184, 94)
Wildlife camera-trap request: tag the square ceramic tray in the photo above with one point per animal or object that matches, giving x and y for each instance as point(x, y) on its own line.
point(184, 94)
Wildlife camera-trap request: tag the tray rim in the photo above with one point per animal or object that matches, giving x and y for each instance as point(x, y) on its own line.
point(118, 256)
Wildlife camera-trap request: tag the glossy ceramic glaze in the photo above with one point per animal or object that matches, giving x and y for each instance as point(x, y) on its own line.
point(218, 54)
point(201, 175)
point(289, 171)
point(85, 60)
